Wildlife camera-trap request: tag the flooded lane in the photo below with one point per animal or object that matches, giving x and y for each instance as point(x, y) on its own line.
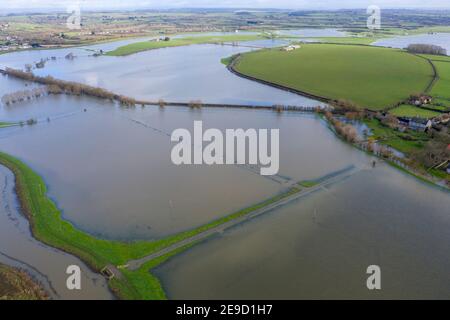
point(109, 170)
point(45, 264)
point(321, 246)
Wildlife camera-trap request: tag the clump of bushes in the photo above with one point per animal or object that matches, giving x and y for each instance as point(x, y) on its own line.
point(346, 131)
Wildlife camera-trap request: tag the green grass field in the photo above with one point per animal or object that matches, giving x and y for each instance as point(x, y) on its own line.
point(412, 111)
point(371, 77)
point(150, 45)
point(15, 284)
point(442, 87)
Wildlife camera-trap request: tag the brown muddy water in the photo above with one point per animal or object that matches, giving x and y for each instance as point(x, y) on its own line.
point(109, 171)
point(321, 246)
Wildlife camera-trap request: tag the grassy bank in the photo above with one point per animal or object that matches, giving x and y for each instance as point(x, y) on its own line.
point(403, 142)
point(442, 87)
point(7, 124)
point(348, 40)
point(371, 77)
point(178, 42)
point(18, 285)
point(400, 142)
point(226, 61)
point(48, 227)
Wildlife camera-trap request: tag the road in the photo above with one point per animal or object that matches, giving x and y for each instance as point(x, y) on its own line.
point(324, 182)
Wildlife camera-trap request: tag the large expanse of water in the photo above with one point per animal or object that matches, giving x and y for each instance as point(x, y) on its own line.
point(173, 74)
point(439, 39)
point(91, 160)
point(109, 171)
point(47, 265)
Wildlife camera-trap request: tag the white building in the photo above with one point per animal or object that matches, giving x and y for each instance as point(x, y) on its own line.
point(291, 48)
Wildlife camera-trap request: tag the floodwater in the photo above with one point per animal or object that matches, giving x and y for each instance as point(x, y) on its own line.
point(109, 171)
point(326, 32)
point(321, 246)
point(46, 265)
point(173, 74)
point(439, 39)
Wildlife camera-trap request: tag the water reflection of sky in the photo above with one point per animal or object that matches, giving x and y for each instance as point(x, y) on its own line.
point(313, 33)
point(173, 74)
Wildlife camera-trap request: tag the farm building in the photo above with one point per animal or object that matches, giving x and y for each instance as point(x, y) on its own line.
point(291, 47)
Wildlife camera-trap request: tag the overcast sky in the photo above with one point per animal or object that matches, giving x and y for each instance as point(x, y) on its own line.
point(289, 4)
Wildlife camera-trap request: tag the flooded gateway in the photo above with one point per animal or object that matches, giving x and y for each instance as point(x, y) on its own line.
point(109, 170)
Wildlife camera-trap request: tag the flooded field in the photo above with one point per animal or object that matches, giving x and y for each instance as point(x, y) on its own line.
point(91, 160)
point(439, 39)
point(109, 170)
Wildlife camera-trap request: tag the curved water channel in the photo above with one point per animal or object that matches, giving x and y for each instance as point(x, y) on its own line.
point(109, 170)
point(47, 265)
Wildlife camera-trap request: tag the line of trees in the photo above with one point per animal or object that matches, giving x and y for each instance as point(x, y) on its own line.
point(435, 151)
point(56, 86)
point(23, 95)
point(195, 104)
point(426, 49)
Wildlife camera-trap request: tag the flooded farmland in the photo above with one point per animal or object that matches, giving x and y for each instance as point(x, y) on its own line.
point(438, 39)
point(321, 246)
point(108, 169)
